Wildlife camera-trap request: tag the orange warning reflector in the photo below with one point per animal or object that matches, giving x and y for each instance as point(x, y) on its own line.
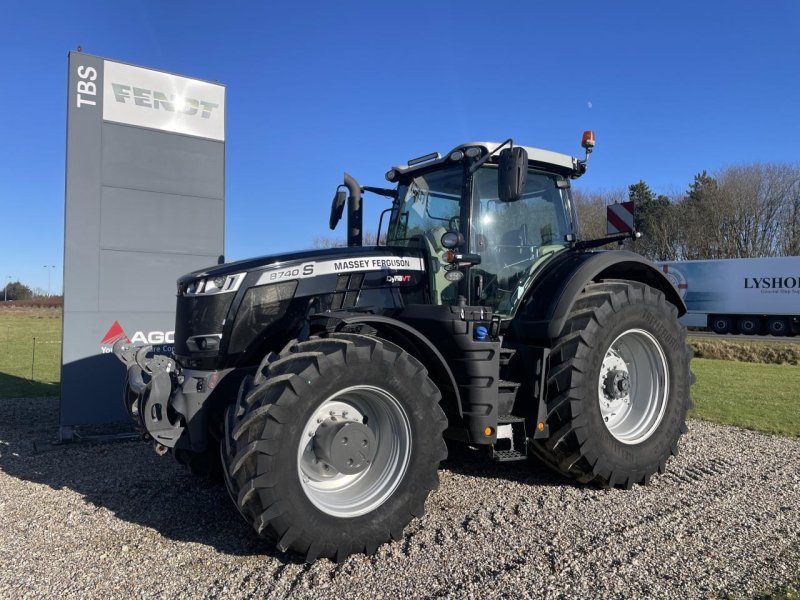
point(488, 431)
point(540, 426)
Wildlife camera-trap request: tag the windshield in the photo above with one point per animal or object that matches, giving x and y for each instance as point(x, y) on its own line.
point(428, 206)
point(428, 202)
point(514, 238)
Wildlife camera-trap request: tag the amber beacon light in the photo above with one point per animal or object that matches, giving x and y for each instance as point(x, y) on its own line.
point(587, 141)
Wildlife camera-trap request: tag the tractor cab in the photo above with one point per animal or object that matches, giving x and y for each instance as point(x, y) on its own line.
point(486, 218)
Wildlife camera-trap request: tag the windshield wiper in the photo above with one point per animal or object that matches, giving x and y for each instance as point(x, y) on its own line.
point(389, 193)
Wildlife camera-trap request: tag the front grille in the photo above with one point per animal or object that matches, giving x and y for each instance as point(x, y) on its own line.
point(260, 308)
point(348, 288)
point(199, 315)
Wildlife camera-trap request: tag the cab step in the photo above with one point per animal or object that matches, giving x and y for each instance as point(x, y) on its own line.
point(506, 395)
point(512, 442)
point(505, 356)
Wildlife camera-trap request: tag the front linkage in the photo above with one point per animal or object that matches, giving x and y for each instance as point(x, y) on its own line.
point(164, 399)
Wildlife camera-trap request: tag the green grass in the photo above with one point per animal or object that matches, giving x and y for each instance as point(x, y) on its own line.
point(23, 374)
point(754, 396)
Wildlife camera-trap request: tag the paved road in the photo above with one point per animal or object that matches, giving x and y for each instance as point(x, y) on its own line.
point(117, 521)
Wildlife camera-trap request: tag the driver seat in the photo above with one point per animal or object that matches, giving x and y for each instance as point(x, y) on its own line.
point(511, 244)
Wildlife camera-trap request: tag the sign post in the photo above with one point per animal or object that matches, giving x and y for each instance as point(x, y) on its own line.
point(145, 203)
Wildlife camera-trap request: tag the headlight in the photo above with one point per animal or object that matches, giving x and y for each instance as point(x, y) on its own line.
point(214, 285)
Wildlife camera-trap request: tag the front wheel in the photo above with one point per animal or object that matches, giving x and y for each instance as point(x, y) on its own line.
point(618, 386)
point(334, 446)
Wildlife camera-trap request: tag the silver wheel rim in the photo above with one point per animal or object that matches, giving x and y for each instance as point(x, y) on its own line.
point(633, 415)
point(343, 495)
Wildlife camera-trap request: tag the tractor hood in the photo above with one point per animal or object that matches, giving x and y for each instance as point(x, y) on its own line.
point(276, 261)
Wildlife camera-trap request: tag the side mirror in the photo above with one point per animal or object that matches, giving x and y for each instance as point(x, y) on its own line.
point(452, 239)
point(337, 208)
point(511, 173)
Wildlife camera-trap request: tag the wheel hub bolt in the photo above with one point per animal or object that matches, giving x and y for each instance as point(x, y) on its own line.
point(617, 384)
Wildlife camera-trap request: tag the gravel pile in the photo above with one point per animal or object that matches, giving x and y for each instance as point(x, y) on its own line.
point(115, 520)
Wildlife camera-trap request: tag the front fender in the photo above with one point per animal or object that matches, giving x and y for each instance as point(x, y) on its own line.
point(549, 300)
point(411, 340)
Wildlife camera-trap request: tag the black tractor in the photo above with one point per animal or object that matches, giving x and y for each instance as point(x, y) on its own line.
point(322, 384)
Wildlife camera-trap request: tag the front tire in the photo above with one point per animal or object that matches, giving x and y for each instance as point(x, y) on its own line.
point(334, 446)
point(618, 386)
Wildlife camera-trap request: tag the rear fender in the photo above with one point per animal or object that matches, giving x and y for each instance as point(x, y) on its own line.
point(549, 301)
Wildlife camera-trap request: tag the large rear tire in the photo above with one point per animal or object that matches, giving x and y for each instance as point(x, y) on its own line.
point(334, 446)
point(618, 386)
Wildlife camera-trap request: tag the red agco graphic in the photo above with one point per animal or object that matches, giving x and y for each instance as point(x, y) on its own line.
point(116, 333)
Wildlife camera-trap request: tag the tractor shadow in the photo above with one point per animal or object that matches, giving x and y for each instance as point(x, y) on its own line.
point(476, 462)
point(12, 386)
point(126, 478)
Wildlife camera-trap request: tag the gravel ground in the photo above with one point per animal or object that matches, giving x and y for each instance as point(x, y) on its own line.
point(115, 520)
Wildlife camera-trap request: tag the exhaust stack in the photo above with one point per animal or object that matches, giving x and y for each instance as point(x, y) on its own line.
point(354, 216)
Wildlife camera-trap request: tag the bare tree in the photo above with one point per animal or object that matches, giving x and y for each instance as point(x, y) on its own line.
point(326, 242)
point(591, 207)
point(369, 238)
point(789, 237)
point(743, 211)
point(700, 233)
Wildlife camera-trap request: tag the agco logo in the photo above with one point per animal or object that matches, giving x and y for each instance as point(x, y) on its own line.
point(116, 333)
point(156, 100)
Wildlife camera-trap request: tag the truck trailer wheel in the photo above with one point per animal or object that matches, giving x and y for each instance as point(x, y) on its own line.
point(749, 325)
point(334, 446)
point(778, 326)
point(722, 325)
point(618, 386)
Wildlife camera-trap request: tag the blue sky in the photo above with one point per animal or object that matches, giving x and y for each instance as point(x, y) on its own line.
point(318, 88)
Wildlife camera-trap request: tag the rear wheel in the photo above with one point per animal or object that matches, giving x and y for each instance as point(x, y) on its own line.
point(618, 386)
point(334, 446)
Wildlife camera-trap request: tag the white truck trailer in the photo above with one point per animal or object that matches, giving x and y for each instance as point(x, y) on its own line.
point(751, 296)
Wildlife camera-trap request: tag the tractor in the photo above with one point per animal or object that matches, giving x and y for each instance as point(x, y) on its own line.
point(323, 385)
